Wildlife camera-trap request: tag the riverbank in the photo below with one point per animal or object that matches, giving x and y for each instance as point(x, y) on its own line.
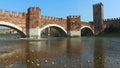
point(108, 35)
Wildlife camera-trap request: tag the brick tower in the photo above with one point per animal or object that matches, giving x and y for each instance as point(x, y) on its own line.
point(33, 21)
point(73, 25)
point(98, 17)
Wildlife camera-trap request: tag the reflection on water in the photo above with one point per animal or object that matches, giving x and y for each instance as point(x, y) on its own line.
point(99, 53)
point(61, 53)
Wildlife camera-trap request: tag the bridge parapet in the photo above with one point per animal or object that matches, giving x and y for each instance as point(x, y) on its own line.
point(14, 14)
point(112, 19)
point(48, 18)
point(70, 17)
point(34, 10)
point(85, 24)
point(0, 12)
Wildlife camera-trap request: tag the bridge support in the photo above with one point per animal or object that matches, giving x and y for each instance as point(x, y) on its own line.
point(73, 33)
point(48, 31)
point(32, 23)
point(34, 33)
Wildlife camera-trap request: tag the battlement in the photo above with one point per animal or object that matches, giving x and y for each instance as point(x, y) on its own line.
point(73, 18)
point(98, 4)
point(52, 18)
point(34, 10)
point(13, 14)
point(69, 17)
point(112, 19)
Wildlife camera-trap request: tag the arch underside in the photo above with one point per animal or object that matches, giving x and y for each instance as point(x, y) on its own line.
point(86, 31)
point(13, 26)
point(53, 30)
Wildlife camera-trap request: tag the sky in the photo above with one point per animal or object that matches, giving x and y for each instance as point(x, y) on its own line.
point(64, 8)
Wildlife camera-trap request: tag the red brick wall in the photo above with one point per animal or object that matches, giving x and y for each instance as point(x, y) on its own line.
point(34, 19)
point(19, 20)
point(50, 20)
point(73, 23)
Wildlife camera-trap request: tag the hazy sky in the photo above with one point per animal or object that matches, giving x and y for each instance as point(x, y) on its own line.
point(63, 8)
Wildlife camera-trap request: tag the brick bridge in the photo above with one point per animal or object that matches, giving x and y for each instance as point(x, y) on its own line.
point(32, 24)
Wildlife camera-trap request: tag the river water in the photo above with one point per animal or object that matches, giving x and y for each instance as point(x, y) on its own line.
point(84, 52)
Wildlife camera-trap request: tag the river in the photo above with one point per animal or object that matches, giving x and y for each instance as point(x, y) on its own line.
point(83, 52)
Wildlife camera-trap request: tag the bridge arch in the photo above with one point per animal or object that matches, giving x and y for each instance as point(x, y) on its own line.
point(88, 30)
point(58, 27)
point(13, 26)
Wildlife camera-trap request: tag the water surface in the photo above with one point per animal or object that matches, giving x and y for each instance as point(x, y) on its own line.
point(84, 52)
